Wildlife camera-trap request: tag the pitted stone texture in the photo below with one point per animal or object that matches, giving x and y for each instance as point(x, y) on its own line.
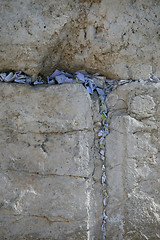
point(133, 166)
point(142, 106)
point(118, 38)
point(47, 163)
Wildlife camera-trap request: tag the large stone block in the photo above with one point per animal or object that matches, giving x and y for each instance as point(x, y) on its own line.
point(45, 109)
point(118, 38)
point(47, 163)
point(132, 159)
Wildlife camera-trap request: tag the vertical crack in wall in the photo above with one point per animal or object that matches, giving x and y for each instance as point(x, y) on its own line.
point(90, 85)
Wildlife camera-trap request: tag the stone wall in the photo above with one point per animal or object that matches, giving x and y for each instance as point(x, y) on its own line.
point(50, 167)
point(117, 38)
point(49, 175)
point(133, 162)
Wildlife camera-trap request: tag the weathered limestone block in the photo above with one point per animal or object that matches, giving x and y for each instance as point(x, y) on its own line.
point(47, 163)
point(118, 38)
point(133, 162)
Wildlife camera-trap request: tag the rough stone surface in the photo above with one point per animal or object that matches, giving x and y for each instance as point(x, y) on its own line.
point(133, 162)
point(118, 38)
point(46, 164)
point(50, 168)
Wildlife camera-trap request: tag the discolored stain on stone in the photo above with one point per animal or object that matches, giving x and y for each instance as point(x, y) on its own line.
point(119, 39)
